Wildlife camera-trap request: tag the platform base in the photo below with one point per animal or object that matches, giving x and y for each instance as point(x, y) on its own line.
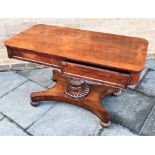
point(90, 98)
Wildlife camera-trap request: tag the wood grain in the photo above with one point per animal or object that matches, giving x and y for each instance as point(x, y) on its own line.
point(109, 50)
point(92, 102)
point(111, 78)
point(105, 59)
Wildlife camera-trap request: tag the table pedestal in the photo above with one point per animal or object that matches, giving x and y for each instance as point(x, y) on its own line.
point(77, 92)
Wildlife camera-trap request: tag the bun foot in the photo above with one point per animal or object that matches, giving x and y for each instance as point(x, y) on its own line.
point(34, 104)
point(105, 125)
point(119, 92)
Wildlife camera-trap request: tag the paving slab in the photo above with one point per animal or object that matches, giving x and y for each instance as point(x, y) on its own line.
point(16, 105)
point(143, 73)
point(130, 109)
point(148, 128)
point(150, 64)
point(116, 130)
point(8, 128)
point(42, 76)
point(66, 120)
point(9, 81)
point(147, 86)
point(1, 116)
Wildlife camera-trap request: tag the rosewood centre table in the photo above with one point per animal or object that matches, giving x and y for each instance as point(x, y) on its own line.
point(90, 65)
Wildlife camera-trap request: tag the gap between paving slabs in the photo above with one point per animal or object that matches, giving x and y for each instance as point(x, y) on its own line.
point(118, 107)
point(1, 116)
point(145, 73)
point(36, 74)
point(135, 91)
point(148, 128)
point(147, 85)
point(8, 127)
point(18, 106)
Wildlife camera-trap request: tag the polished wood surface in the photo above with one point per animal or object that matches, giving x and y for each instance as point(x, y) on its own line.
point(91, 102)
point(103, 76)
point(91, 64)
point(96, 48)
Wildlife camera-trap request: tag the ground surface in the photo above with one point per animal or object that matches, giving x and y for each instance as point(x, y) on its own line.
point(133, 112)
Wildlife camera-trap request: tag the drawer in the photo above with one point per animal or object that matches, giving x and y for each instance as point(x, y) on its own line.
point(32, 56)
point(104, 76)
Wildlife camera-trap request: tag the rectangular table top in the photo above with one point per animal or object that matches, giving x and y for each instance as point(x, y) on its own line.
point(96, 48)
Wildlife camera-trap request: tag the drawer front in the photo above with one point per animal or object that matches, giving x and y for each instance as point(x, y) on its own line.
point(104, 76)
point(33, 57)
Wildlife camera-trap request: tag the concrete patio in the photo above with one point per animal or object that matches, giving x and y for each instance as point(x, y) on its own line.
point(133, 112)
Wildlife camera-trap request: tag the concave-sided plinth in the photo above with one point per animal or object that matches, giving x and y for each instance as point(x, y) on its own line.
point(76, 92)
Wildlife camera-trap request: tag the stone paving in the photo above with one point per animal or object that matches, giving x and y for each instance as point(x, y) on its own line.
point(133, 112)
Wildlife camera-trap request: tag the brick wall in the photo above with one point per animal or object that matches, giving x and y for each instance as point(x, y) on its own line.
point(144, 28)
